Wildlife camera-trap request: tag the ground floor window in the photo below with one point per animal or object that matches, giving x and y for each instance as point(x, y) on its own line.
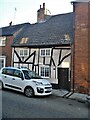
point(45, 71)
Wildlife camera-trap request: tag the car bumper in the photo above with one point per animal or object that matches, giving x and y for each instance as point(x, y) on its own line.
point(88, 99)
point(43, 91)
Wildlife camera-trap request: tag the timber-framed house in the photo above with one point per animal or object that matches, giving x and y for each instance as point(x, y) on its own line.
point(45, 48)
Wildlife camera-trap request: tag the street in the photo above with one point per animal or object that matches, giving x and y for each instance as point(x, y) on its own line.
point(16, 105)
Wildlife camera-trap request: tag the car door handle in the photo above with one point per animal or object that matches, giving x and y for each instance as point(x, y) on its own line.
point(5, 76)
point(13, 78)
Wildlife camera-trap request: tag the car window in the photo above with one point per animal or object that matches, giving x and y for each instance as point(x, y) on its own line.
point(26, 74)
point(4, 71)
point(30, 74)
point(18, 73)
point(7, 71)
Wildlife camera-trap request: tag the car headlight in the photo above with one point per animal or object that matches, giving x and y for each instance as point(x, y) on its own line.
point(38, 83)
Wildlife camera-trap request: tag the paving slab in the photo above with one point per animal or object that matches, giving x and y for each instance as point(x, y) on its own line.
point(66, 94)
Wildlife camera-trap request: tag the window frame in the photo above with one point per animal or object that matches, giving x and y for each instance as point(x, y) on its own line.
point(2, 61)
point(47, 52)
point(3, 41)
point(23, 52)
point(44, 68)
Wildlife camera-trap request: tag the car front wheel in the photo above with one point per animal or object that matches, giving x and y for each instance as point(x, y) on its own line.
point(29, 92)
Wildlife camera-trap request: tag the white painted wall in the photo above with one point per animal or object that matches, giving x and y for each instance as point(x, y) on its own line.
point(65, 63)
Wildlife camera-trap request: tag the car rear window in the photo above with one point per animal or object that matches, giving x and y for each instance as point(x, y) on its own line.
point(7, 71)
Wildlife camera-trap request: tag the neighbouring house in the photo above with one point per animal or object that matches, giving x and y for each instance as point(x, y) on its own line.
point(45, 47)
point(7, 35)
point(81, 46)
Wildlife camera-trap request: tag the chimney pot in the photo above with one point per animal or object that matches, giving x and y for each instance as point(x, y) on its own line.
point(43, 5)
point(10, 24)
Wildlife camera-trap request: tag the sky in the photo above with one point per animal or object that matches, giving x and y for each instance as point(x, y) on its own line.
point(23, 11)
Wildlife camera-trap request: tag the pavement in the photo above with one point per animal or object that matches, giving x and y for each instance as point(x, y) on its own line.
point(69, 95)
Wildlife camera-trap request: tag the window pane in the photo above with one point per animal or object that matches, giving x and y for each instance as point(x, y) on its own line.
point(47, 72)
point(21, 52)
point(1, 63)
point(4, 71)
point(2, 41)
point(42, 52)
point(48, 52)
point(25, 52)
point(42, 71)
point(17, 73)
point(10, 72)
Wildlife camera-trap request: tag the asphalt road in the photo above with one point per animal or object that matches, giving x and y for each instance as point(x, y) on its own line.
point(16, 105)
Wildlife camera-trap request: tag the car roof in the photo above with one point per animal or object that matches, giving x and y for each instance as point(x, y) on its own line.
point(18, 68)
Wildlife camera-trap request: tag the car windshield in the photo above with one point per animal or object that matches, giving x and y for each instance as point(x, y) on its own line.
point(30, 74)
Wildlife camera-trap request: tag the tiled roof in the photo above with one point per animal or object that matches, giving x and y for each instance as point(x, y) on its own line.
point(58, 30)
point(81, 1)
point(11, 30)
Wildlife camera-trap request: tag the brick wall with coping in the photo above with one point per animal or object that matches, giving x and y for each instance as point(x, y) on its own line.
point(80, 47)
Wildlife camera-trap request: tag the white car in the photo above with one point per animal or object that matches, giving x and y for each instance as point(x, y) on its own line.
point(88, 96)
point(24, 80)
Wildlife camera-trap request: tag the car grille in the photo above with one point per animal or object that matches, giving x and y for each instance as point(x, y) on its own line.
point(47, 91)
point(48, 87)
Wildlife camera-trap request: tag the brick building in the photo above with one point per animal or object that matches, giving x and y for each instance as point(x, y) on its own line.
point(7, 35)
point(81, 53)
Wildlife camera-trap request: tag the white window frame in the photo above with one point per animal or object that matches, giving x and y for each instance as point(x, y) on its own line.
point(4, 60)
point(44, 67)
point(45, 52)
point(23, 52)
point(2, 41)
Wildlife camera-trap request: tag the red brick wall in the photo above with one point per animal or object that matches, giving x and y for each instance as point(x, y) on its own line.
point(89, 47)
point(80, 50)
point(7, 50)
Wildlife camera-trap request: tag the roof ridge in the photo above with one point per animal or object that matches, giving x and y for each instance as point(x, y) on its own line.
point(15, 25)
point(62, 14)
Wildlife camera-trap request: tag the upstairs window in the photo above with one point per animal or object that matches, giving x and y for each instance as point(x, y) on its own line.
point(24, 52)
point(45, 52)
point(2, 41)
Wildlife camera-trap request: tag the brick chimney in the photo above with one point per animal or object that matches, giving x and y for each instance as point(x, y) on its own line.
point(41, 13)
